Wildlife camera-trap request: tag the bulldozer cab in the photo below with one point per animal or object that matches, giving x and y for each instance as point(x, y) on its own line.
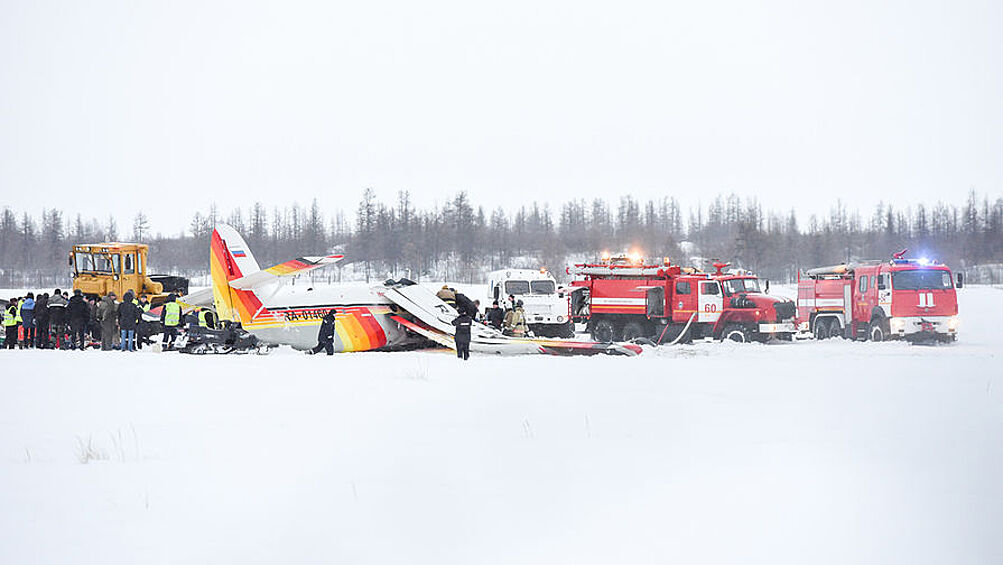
point(112, 267)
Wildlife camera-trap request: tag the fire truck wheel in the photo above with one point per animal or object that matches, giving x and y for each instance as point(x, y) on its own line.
point(877, 331)
point(567, 330)
point(735, 332)
point(603, 331)
point(633, 330)
point(822, 329)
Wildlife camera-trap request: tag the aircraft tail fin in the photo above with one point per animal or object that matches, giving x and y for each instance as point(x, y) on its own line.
point(236, 274)
point(231, 259)
point(237, 257)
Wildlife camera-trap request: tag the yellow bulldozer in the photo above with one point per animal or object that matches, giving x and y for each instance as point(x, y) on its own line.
point(100, 268)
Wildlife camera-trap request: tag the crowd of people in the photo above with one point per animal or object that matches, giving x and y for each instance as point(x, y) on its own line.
point(510, 320)
point(72, 321)
point(75, 322)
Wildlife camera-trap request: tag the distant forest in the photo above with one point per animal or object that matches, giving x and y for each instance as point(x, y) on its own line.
point(461, 240)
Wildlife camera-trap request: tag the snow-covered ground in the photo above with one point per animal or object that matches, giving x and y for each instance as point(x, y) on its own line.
point(807, 452)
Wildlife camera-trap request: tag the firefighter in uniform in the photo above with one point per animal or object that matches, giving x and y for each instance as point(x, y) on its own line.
point(515, 321)
point(170, 317)
point(447, 295)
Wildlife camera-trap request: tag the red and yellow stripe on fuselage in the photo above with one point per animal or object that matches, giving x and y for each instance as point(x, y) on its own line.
point(357, 327)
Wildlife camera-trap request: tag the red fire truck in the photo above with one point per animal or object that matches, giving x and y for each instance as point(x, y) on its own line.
point(623, 299)
point(749, 312)
point(878, 300)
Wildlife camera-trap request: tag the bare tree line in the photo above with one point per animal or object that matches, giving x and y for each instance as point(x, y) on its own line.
point(460, 240)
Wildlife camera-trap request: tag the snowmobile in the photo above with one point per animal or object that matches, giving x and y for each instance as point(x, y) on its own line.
point(228, 338)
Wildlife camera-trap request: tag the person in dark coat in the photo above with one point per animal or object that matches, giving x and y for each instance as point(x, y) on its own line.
point(57, 317)
point(93, 329)
point(463, 323)
point(78, 312)
point(143, 327)
point(128, 319)
point(495, 316)
point(107, 316)
point(464, 304)
point(325, 336)
point(42, 321)
point(191, 321)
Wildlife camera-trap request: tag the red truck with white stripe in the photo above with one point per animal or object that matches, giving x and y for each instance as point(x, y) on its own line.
point(912, 299)
point(623, 299)
point(750, 314)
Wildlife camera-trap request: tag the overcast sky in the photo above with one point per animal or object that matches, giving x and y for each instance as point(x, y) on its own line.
point(110, 107)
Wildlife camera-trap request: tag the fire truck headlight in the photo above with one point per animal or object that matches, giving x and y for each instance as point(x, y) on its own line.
point(952, 324)
point(560, 319)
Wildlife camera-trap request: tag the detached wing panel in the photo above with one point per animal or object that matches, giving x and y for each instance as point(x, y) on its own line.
point(198, 298)
point(289, 268)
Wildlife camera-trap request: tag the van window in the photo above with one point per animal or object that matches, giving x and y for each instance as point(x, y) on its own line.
point(709, 288)
point(516, 287)
point(543, 287)
point(682, 287)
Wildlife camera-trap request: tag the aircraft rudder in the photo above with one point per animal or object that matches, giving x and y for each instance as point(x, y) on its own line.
point(234, 252)
point(230, 258)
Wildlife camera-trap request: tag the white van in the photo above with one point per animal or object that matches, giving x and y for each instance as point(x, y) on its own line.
point(545, 304)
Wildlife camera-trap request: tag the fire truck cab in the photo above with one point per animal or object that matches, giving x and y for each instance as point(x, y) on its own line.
point(750, 314)
point(878, 300)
